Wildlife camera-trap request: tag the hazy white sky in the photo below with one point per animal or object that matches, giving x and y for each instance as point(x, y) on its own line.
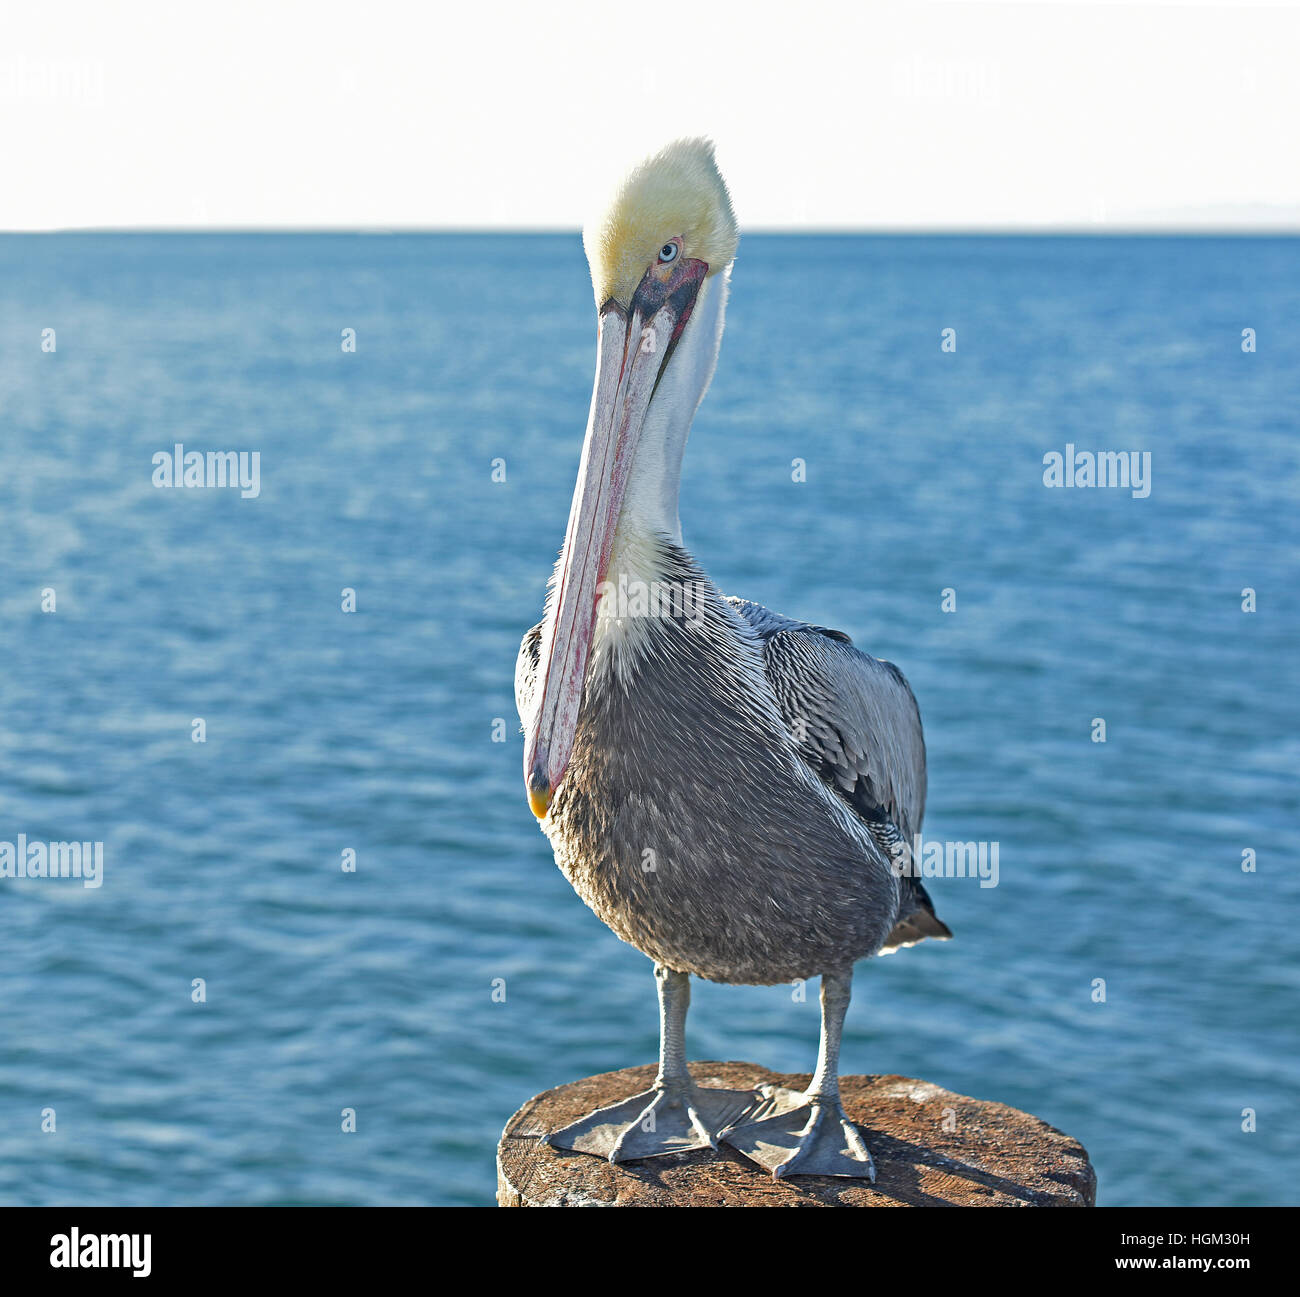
point(482, 113)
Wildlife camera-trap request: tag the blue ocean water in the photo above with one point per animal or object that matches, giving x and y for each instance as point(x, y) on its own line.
point(390, 731)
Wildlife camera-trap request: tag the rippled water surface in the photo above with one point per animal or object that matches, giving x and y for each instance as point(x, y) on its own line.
point(374, 731)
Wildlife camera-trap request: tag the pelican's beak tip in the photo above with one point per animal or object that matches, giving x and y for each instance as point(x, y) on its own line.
point(539, 795)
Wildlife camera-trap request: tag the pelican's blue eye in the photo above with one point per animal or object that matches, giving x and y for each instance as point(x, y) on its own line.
point(668, 252)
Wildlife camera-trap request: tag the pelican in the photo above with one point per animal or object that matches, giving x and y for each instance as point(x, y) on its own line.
point(730, 790)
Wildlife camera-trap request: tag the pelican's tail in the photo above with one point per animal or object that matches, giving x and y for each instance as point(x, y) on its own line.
point(919, 923)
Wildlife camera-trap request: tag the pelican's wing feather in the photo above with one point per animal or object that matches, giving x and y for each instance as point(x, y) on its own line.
point(855, 722)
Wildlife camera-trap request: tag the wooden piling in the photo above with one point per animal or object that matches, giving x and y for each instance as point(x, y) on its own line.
point(932, 1148)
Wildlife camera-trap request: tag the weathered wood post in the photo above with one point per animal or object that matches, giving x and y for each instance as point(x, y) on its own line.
point(932, 1148)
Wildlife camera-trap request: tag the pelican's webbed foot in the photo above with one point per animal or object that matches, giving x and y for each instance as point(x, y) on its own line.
point(666, 1119)
point(799, 1134)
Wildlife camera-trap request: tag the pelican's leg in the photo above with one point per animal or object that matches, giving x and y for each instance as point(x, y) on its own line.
point(810, 1133)
point(675, 1115)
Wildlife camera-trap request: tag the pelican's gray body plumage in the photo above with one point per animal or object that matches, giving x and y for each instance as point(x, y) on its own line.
point(723, 806)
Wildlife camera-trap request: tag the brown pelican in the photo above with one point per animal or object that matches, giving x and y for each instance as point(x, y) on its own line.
point(730, 790)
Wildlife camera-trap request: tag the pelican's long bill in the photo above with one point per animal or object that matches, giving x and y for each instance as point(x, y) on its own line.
point(633, 349)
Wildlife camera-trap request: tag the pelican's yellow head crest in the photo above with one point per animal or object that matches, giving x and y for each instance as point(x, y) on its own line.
point(678, 194)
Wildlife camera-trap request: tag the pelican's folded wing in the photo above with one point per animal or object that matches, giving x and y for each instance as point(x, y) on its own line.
point(855, 722)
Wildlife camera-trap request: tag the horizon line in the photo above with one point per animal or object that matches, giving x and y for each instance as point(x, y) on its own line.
point(1098, 229)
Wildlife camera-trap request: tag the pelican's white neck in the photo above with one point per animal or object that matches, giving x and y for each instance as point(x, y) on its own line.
point(650, 502)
